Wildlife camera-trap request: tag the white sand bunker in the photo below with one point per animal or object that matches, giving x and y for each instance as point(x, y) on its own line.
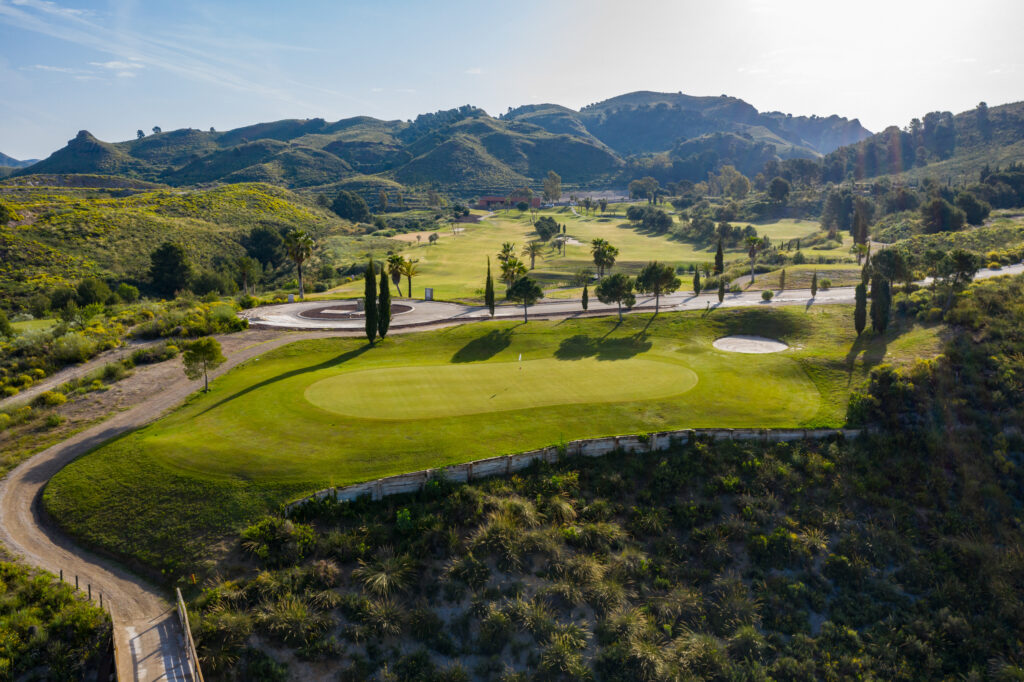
point(749, 344)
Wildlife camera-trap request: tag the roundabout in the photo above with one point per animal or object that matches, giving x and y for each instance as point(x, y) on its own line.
point(347, 311)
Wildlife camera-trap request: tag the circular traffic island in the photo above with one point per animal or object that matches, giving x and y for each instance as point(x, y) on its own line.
point(346, 311)
point(742, 343)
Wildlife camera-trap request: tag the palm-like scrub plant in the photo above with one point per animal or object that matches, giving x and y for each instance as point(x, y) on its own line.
point(386, 573)
point(293, 620)
point(299, 246)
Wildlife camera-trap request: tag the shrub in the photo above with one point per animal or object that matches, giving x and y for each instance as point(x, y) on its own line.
point(127, 293)
point(825, 284)
point(767, 295)
point(73, 347)
point(52, 399)
point(277, 541)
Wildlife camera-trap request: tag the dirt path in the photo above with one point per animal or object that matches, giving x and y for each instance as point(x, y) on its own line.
point(147, 634)
point(72, 372)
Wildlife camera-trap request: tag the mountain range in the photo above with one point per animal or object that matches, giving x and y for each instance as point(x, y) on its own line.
point(467, 150)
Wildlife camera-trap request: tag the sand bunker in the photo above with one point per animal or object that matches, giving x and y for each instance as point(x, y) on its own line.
point(749, 344)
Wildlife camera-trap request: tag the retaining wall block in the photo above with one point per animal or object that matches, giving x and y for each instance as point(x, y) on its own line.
point(631, 444)
point(457, 473)
point(598, 447)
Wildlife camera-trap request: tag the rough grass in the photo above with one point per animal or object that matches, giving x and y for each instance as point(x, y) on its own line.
point(163, 494)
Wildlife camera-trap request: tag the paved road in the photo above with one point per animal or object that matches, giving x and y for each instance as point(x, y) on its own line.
point(149, 640)
point(289, 315)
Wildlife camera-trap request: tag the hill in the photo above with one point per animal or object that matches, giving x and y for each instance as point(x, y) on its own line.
point(939, 145)
point(10, 162)
point(646, 122)
point(107, 227)
point(463, 150)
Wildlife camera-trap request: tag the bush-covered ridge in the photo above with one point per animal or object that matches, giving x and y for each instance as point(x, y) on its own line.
point(897, 556)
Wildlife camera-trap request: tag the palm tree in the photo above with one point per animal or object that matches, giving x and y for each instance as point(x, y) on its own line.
point(511, 270)
point(753, 248)
point(395, 262)
point(532, 249)
point(604, 255)
point(508, 250)
point(410, 270)
point(249, 268)
point(299, 246)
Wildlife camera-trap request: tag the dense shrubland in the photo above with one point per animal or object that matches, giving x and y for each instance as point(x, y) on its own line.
point(47, 632)
point(897, 556)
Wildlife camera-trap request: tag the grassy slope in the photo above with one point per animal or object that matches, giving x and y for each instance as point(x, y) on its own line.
point(456, 265)
point(162, 494)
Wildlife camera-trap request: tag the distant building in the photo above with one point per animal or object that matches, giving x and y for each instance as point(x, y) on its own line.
point(491, 202)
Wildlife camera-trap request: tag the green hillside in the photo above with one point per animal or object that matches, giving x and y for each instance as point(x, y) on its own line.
point(937, 145)
point(463, 150)
point(65, 234)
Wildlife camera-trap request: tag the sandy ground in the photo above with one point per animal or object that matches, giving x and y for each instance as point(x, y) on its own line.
point(749, 344)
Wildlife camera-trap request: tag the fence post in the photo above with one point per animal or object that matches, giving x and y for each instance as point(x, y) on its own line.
point(190, 645)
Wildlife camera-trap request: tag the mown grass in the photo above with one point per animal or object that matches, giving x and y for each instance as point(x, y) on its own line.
point(161, 495)
point(455, 266)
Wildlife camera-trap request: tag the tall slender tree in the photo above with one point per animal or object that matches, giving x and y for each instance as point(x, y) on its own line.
point(814, 284)
point(881, 300)
point(299, 246)
point(860, 307)
point(395, 271)
point(370, 302)
point(586, 297)
point(721, 289)
point(696, 283)
point(384, 307)
point(489, 289)
point(409, 270)
point(719, 258)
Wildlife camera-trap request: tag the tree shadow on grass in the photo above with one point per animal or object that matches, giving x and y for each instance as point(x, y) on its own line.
point(485, 347)
point(871, 348)
point(604, 348)
point(343, 358)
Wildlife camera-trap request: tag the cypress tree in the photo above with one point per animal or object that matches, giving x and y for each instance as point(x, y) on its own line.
point(782, 280)
point(860, 312)
point(696, 283)
point(719, 258)
point(586, 297)
point(814, 285)
point(370, 303)
point(880, 303)
point(721, 289)
point(489, 289)
point(384, 307)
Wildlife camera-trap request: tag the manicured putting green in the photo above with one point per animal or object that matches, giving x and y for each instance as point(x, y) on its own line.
point(475, 388)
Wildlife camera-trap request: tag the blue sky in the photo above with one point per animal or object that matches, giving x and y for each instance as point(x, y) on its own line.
point(114, 67)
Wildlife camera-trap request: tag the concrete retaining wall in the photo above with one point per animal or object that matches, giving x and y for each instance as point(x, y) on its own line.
point(590, 447)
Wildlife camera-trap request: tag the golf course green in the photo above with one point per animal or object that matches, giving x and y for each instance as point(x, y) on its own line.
point(335, 411)
point(497, 387)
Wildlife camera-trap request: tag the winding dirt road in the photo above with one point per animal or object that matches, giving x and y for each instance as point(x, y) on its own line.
point(148, 637)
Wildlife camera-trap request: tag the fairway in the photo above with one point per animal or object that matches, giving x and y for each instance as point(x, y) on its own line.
point(496, 387)
point(455, 267)
point(335, 411)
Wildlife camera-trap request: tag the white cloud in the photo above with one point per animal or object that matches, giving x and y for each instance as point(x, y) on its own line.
point(475, 71)
point(56, 69)
point(116, 65)
point(51, 8)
